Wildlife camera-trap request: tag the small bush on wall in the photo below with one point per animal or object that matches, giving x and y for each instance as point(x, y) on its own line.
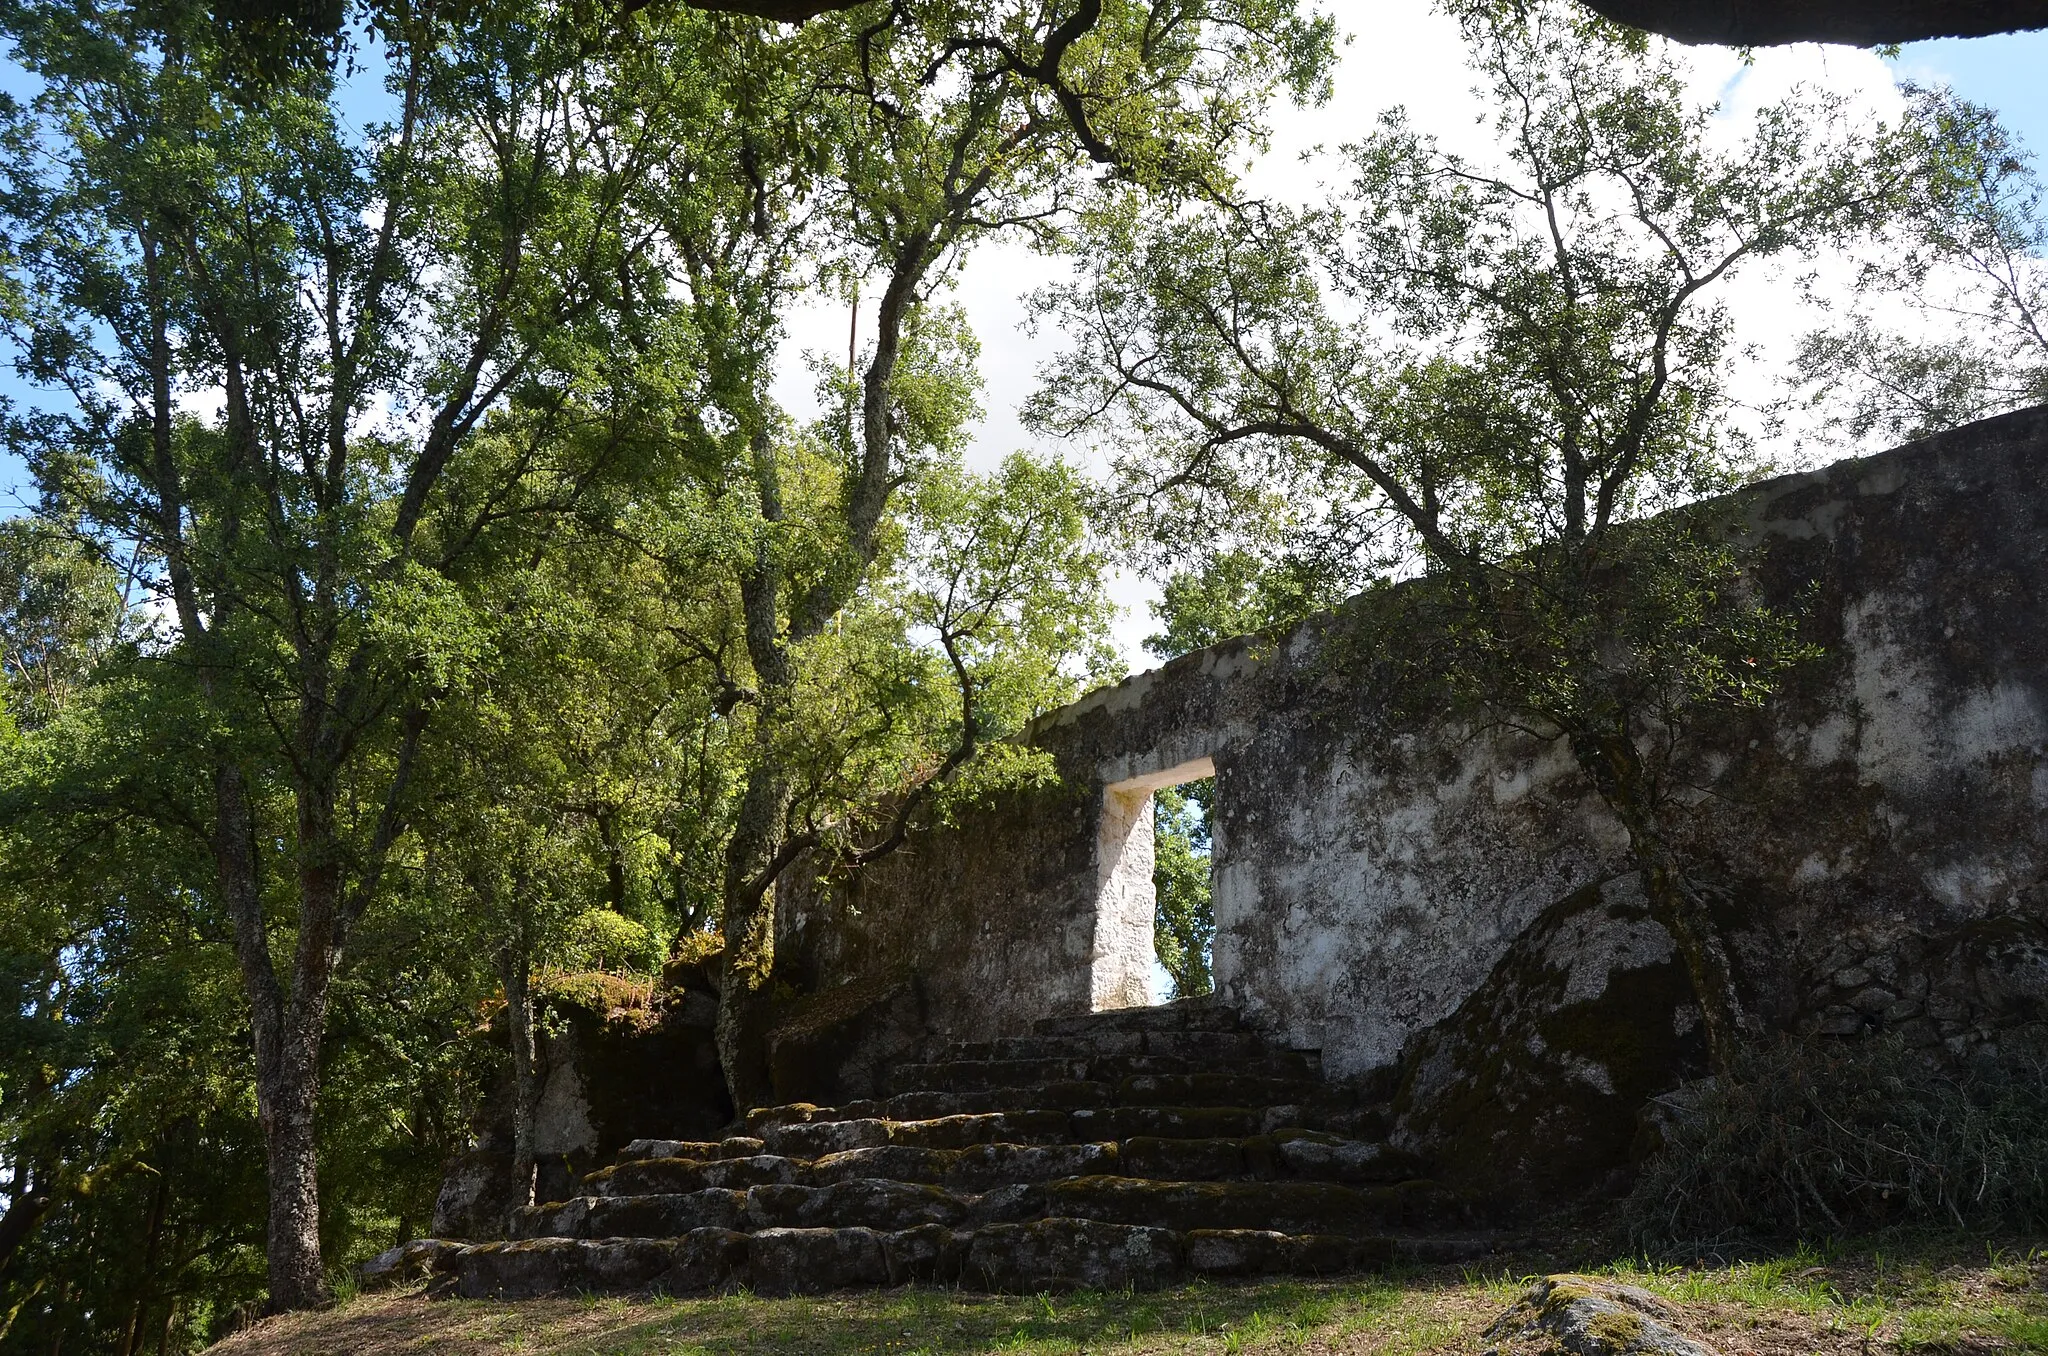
point(599, 939)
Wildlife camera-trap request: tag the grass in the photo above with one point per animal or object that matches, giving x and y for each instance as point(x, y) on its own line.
point(1288, 1316)
point(1913, 1301)
point(1916, 1301)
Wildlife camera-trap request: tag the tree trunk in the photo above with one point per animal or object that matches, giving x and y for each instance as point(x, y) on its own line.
point(160, 1200)
point(754, 853)
point(287, 1054)
point(27, 1203)
point(748, 894)
point(743, 1000)
point(286, 1093)
point(287, 1041)
point(1617, 771)
point(513, 965)
point(1676, 905)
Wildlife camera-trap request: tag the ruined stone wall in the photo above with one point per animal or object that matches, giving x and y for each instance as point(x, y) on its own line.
point(1876, 838)
point(613, 1065)
point(1000, 920)
point(996, 921)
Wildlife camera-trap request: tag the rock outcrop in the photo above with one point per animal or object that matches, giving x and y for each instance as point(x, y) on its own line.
point(616, 1063)
point(1586, 1316)
point(1529, 1091)
point(1763, 23)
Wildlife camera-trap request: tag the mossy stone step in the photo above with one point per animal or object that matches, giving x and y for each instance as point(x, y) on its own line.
point(1285, 1206)
point(989, 1075)
point(863, 1202)
point(1187, 1160)
point(901, 1162)
point(1132, 1148)
point(1194, 1015)
point(1303, 1154)
point(817, 1139)
point(988, 1166)
point(869, 1202)
point(1293, 1207)
point(532, 1269)
point(906, 1109)
point(1101, 1120)
point(828, 1132)
point(736, 1147)
point(663, 1176)
point(1217, 1089)
point(1201, 1088)
point(1071, 1254)
point(1060, 1096)
point(1170, 1122)
point(1288, 1153)
point(1192, 1099)
point(667, 1215)
point(979, 1167)
point(1103, 1044)
point(1018, 1258)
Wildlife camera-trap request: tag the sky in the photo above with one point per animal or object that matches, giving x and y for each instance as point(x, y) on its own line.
point(1399, 53)
point(1408, 55)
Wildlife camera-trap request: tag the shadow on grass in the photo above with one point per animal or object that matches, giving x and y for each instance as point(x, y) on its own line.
point(1892, 1295)
point(941, 1322)
point(935, 1322)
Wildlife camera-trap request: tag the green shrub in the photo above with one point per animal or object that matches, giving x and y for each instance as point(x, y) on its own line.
point(1835, 1139)
point(602, 940)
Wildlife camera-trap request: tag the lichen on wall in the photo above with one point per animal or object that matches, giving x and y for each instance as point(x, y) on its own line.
point(1530, 1088)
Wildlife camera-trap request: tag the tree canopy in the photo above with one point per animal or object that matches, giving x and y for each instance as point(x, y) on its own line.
point(428, 589)
point(1493, 372)
point(428, 593)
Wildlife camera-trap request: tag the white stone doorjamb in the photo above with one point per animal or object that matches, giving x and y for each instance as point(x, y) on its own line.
point(1120, 970)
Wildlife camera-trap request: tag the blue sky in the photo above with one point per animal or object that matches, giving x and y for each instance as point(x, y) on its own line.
point(2008, 72)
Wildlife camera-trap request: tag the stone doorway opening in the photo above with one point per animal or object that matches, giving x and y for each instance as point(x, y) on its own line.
point(1138, 850)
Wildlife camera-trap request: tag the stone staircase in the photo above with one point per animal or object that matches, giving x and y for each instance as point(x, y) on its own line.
point(1131, 1148)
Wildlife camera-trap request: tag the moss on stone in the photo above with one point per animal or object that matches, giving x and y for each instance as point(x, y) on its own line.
point(1505, 1095)
point(1565, 1290)
point(1618, 1328)
point(625, 1001)
point(810, 1017)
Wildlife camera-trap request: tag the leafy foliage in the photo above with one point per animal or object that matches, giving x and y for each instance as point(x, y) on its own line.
point(598, 939)
point(1969, 259)
point(481, 612)
point(61, 610)
point(1490, 371)
point(1233, 592)
point(430, 607)
point(1184, 918)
